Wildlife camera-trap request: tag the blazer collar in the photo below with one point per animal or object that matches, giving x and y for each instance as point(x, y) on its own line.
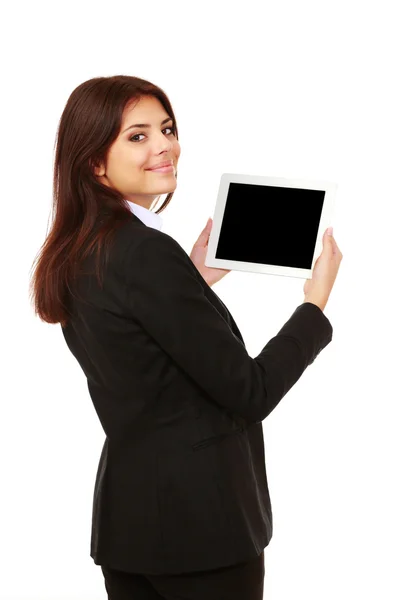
point(149, 218)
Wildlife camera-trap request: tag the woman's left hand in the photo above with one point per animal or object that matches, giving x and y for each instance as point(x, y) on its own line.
point(198, 256)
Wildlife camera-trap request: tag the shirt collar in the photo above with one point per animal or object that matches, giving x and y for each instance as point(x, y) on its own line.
point(149, 218)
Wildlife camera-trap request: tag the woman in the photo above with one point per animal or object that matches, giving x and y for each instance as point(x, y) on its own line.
point(181, 504)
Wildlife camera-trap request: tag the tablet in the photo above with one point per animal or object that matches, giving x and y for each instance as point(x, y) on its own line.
point(269, 225)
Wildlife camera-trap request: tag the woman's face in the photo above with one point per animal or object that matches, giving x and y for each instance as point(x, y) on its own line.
point(138, 149)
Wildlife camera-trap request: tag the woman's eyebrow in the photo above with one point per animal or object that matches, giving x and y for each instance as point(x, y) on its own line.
point(146, 125)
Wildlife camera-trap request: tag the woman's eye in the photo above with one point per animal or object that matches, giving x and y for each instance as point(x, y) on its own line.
point(137, 134)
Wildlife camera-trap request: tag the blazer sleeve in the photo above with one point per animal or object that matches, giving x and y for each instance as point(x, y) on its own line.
point(165, 296)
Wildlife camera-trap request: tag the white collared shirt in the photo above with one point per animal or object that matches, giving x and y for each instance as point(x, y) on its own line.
point(149, 218)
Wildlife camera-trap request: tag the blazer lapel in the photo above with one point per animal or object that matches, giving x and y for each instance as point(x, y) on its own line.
point(210, 294)
point(221, 308)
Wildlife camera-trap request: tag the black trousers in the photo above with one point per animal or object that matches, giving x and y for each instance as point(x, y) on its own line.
point(243, 581)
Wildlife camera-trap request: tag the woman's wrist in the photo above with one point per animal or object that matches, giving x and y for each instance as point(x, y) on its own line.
point(317, 300)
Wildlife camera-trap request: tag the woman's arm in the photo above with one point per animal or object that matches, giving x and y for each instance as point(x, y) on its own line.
point(167, 299)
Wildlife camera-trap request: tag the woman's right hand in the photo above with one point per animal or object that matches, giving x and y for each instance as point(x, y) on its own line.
point(318, 288)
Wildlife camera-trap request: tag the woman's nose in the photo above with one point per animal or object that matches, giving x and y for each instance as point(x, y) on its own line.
point(163, 144)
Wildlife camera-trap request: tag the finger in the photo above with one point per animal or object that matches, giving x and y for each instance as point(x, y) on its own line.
point(335, 247)
point(205, 234)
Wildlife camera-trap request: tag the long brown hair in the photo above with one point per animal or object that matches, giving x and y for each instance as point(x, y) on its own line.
point(89, 124)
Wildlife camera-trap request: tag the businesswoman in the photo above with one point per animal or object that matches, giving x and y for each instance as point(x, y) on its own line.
point(181, 507)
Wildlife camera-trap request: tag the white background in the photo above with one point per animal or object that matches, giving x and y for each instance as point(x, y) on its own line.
point(281, 88)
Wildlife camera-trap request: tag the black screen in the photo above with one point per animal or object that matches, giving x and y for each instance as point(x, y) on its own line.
point(270, 225)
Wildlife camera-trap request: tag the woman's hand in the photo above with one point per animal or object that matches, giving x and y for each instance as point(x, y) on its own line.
point(318, 288)
point(198, 256)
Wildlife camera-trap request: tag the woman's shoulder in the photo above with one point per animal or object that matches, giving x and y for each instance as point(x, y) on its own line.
point(135, 233)
point(137, 244)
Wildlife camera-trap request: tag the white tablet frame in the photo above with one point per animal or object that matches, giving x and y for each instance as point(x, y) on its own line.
point(330, 189)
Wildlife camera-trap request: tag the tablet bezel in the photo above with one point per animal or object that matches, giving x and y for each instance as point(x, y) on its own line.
point(329, 188)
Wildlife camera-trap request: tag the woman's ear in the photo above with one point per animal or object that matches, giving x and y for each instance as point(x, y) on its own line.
point(97, 167)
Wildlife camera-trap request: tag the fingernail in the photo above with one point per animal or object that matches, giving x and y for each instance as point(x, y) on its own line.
point(330, 230)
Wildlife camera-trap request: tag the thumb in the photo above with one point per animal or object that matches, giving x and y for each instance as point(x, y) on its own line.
point(207, 228)
point(205, 234)
point(328, 242)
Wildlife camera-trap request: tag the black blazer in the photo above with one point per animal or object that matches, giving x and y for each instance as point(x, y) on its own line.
point(181, 483)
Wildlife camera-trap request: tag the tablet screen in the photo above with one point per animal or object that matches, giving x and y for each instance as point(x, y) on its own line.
point(270, 225)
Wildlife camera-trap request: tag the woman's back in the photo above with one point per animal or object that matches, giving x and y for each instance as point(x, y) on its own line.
point(181, 484)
